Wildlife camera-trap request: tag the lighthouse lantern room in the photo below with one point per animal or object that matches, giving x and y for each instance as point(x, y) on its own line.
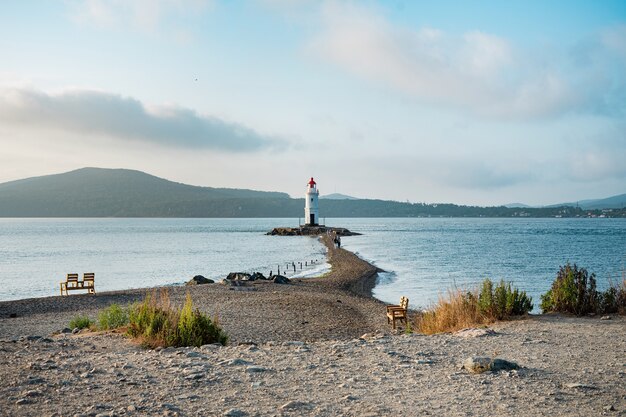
point(311, 209)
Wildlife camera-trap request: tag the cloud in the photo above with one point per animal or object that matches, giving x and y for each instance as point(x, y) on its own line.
point(478, 72)
point(102, 114)
point(144, 15)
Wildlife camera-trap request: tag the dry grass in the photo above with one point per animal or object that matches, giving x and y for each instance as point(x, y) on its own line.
point(455, 311)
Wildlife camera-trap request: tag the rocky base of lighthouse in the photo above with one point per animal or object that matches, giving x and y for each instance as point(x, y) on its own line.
point(310, 231)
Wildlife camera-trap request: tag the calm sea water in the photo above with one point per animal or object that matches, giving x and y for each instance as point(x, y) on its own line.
point(423, 257)
point(426, 257)
point(35, 254)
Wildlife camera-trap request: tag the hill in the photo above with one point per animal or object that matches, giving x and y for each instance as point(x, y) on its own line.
point(337, 196)
point(98, 192)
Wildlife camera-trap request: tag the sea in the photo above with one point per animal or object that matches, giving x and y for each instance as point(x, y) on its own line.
point(422, 258)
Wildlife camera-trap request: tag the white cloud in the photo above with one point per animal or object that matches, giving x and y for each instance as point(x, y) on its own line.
point(97, 114)
point(144, 15)
point(478, 72)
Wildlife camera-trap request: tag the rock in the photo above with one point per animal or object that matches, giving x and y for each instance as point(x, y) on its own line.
point(235, 412)
point(609, 408)
point(199, 280)
point(473, 332)
point(75, 330)
point(239, 276)
point(255, 369)
point(280, 279)
point(258, 276)
point(294, 405)
point(576, 385)
point(480, 364)
point(238, 362)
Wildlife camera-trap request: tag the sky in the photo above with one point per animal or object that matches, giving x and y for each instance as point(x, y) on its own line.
point(476, 102)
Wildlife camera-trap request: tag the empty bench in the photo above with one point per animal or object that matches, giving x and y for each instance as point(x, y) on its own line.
point(398, 312)
point(72, 283)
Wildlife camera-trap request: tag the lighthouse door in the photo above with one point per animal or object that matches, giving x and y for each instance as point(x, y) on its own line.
point(312, 220)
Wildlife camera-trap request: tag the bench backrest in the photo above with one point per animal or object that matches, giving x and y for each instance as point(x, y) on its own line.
point(72, 278)
point(404, 303)
point(89, 277)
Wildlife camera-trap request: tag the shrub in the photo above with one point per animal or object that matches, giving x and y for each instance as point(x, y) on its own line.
point(112, 317)
point(503, 302)
point(155, 322)
point(80, 322)
point(573, 291)
point(460, 310)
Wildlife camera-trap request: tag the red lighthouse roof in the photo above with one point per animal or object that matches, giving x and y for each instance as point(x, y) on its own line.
point(312, 182)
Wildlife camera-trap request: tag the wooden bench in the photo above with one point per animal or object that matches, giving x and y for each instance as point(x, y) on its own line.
point(398, 312)
point(72, 283)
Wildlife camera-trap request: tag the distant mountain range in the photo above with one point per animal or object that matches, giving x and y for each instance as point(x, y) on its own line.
point(337, 196)
point(98, 192)
point(615, 202)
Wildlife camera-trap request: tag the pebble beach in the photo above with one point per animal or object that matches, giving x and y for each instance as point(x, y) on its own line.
point(318, 346)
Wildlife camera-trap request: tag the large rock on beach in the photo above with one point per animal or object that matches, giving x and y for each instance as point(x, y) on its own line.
point(240, 276)
point(198, 280)
point(258, 276)
point(480, 364)
point(280, 279)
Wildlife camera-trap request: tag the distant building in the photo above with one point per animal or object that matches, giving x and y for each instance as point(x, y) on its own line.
point(311, 208)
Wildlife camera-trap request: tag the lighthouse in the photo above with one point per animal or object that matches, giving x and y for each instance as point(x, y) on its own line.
point(311, 210)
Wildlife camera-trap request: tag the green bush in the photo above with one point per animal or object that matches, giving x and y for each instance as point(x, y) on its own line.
point(80, 322)
point(112, 317)
point(503, 301)
point(573, 291)
point(156, 323)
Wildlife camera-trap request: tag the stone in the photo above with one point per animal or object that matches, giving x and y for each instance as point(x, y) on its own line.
point(238, 362)
point(258, 276)
point(255, 369)
point(239, 276)
point(474, 332)
point(235, 412)
point(294, 405)
point(199, 280)
point(280, 279)
point(576, 385)
point(480, 364)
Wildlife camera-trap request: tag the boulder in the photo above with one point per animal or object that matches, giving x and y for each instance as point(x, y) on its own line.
point(239, 276)
point(198, 280)
point(480, 364)
point(258, 276)
point(473, 332)
point(280, 279)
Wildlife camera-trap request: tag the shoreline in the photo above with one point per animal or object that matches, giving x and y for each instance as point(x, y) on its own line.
point(317, 347)
point(247, 314)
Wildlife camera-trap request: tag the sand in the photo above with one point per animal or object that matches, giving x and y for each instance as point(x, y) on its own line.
point(318, 346)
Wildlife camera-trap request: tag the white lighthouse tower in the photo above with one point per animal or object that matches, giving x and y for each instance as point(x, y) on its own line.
point(311, 209)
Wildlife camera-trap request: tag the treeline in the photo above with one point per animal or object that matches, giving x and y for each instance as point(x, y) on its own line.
point(93, 192)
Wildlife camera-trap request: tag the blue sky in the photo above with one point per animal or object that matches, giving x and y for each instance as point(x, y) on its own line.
point(482, 102)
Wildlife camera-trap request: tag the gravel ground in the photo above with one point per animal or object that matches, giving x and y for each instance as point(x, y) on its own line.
point(318, 347)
